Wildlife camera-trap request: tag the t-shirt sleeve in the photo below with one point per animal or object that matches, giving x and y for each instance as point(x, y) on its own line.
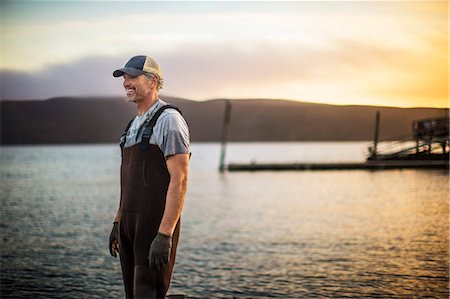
point(175, 134)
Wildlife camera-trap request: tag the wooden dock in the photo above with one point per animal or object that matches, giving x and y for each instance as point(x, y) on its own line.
point(430, 134)
point(369, 165)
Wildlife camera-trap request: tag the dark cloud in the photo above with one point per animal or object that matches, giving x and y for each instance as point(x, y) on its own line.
point(88, 76)
point(190, 70)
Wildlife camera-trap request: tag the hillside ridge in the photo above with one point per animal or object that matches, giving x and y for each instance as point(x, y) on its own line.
point(102, 119)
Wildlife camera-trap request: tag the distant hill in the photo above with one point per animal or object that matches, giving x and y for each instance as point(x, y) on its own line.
point(102, 120)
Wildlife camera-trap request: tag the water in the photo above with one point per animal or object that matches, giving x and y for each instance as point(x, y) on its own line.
point(325, 234)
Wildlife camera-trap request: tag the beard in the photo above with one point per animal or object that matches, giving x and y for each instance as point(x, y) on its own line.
point(130, 99)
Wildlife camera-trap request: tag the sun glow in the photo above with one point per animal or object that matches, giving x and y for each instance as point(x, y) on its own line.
point(393, 53)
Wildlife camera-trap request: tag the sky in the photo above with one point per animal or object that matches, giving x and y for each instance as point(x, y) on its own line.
point(388, 53)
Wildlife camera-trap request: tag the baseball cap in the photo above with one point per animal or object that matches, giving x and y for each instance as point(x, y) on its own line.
point(139, 65)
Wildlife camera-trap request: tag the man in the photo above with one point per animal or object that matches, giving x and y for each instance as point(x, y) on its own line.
point(154, 172)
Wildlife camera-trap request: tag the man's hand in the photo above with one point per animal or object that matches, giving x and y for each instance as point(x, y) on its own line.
point(114, 240)
point(159, 253)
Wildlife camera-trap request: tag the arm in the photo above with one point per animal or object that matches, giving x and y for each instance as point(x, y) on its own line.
point(159, 253)
point(177, 165)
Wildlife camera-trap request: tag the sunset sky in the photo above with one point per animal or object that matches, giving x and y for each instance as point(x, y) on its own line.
point(337, 52)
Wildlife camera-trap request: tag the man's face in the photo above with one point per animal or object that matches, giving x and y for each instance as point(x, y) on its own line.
point(137, 88)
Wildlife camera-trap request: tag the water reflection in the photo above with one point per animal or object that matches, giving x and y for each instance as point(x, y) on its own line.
point(338, 234)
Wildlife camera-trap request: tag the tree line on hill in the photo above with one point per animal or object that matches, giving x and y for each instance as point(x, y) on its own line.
point(102, 120)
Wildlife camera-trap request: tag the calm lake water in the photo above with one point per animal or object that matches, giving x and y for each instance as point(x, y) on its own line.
point(324, 234)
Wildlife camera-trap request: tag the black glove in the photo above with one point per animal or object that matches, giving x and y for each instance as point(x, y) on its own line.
point(159, 253)
point(114, 240)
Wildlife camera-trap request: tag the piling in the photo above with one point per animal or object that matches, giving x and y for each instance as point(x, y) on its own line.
point(376, 136)
point(226, 123)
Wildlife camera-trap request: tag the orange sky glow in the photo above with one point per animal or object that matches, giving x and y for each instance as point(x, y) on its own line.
point(390, 53)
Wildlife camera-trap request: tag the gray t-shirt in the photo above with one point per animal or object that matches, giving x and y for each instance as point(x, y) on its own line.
point(170, 133)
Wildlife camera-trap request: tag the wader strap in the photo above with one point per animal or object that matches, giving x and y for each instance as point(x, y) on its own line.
point(123, 137)
point(148, 130)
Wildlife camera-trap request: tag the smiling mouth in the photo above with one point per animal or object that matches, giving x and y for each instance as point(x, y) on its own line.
point(130, 91)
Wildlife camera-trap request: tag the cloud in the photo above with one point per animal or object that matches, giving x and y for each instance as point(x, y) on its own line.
point(343, 71)
point(88, 76)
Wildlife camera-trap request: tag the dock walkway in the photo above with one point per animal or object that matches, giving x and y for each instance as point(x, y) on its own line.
point(369, 165)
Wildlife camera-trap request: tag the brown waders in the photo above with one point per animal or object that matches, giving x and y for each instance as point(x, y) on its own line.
point(144, 182)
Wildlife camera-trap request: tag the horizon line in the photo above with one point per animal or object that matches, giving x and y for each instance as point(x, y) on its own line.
point(232, 99)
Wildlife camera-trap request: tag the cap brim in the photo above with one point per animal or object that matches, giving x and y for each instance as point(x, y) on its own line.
point(129, 71)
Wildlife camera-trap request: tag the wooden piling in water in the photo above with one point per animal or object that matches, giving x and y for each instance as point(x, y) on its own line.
point(377, 131)
point(226, 123)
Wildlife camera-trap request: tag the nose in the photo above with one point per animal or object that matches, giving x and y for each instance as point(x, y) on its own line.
point(126, 79)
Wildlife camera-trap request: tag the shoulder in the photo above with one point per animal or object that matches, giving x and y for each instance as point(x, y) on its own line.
point(172, 117)
point(170, 112)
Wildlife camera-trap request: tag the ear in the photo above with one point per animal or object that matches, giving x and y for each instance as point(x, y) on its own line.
point(153, 82)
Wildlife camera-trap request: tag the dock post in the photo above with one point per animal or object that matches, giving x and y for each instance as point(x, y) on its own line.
point(417, 144)
point(226, 122)
point(377, 130)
